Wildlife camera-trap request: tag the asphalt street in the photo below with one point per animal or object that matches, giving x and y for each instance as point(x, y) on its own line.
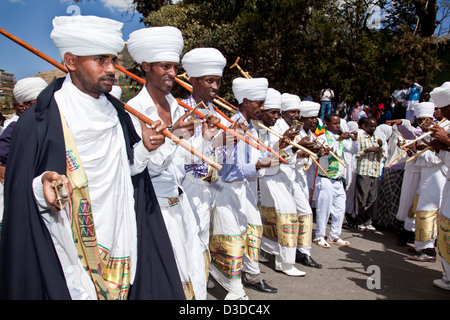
point(373, 267)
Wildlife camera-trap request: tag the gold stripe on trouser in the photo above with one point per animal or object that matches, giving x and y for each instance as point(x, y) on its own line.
point(444, 237)
point(426, 225)
point(269, 222)
point(279, 227)
point(305, 226)
point(412, 210)
point(116, 272)
point(188, 290)
point(207, 259)
point(253, 241)
point(227, 253)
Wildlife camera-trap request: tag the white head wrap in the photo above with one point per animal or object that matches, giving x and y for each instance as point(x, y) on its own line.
point(201, 62)
point(424, 109)
point(87, 35)
point(441, 95)
point(352, 126)
point(290, 102)
point(156, 44)
point(116, 91)
point(253, 89)
point(28, 89)
point(384, 131)
point(273, 99)
point(309, 109)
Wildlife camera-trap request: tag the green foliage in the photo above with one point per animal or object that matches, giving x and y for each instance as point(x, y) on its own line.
point(298, 45)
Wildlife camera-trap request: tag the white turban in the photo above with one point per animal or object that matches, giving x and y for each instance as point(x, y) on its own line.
point(253, 89)
point(384, 131)
point(441, 95)
point(28, 89)
point(273, 99)
point(309, 109)
point(87, 35)
point(290, 102)
point(201, 62)
point(156, 44)
point(116, 91)
point(424, 110)
point(352, 126)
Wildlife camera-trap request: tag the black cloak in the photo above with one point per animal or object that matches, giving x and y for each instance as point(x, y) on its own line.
point(29, 265)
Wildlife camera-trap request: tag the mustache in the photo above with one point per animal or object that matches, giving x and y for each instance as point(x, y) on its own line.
point(108, 77)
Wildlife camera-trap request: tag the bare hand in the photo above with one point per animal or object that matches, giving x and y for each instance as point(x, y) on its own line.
point(152, 136)
point(49, 192)
point(209, 127)
point(2, 173)
point(184, 129)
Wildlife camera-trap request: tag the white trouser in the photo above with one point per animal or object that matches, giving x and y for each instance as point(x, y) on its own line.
point(330, 200)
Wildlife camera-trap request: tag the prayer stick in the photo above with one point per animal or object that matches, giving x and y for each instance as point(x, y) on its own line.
point(332, 153)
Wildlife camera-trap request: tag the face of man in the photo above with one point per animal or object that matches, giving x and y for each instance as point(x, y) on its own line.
point(252, 108)
point(161, 75)
point(269, 117)
point(309, 123)
point(93, 75)
point(370, 126)
point(334, 125)
point(205, 88)
point(290, 115)
point(437, 113)
point(446, 111)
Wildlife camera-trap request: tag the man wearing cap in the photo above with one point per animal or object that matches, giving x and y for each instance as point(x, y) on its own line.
point(236, 222)
point(157, 50)
point(331, 196)
point(277, 204)
point(294, 170)
point(65, 238)
point(441, 98)
point(422, 217)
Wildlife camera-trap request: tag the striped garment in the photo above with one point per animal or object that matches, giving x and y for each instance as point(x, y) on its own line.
point(369, 163)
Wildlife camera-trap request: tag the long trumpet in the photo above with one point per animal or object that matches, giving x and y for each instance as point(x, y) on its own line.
point(256, 143)
point(139, 115)
point(235, 64)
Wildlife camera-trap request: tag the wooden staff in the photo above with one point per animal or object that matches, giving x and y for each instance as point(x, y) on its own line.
point(426, 134)
point(418, 154)
point(407, 149)
point(235, 64)
point(258, 145)
point(331, 152)
point(292, 143)
point(140, 116)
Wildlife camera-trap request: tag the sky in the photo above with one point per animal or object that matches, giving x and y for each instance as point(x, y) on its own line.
point(31, 21)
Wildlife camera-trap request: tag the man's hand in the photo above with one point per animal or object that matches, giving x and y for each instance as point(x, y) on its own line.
point(152, 136)
point(209, 127)
point(49, 192)
point(268, 162)
point(440, 134)
point(184, 129)
point(2, 173)
point(373, 149)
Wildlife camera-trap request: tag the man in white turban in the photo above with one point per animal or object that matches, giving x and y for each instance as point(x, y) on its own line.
point(84, 229)
point(25, 93)
point(157, 50)
point(294, 170)
point(236, 224)
point(441, 98)
point(204, 67)
point(277, 201)
point(422, 216)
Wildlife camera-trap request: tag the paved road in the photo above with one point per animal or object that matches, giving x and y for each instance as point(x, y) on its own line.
point(344, 274)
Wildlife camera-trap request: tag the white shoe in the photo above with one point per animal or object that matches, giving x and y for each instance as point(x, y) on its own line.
point(236, 296)
point(287, 268)
point(441, 283)
point(370, 227)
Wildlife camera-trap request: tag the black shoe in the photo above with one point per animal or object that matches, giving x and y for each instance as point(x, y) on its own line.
point(306, 260)
point(261, 286)
point(422, 257)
